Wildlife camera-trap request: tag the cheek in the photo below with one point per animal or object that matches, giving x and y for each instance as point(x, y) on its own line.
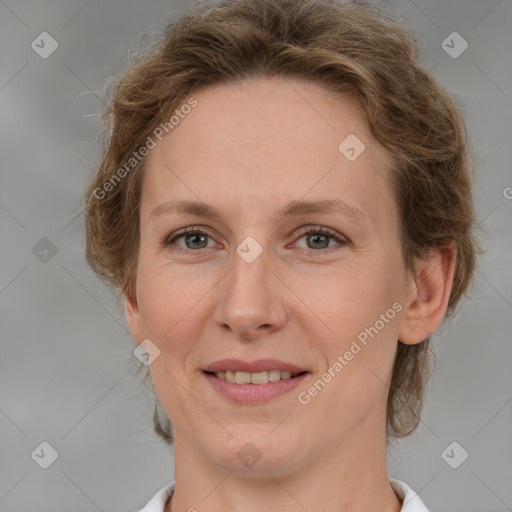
point(344, 303)
point(350, 304)
point(168, 301)
point(177, 402)
point(173, 316)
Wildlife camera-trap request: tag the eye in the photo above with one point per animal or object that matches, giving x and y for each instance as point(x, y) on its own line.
point(320, 236)
point(196, 239)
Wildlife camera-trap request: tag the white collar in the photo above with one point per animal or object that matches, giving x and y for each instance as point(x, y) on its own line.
point(411, 502)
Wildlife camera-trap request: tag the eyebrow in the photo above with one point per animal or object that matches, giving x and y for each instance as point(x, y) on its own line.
point(199, 209)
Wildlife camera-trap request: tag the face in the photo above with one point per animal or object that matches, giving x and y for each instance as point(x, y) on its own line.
point(322, 293)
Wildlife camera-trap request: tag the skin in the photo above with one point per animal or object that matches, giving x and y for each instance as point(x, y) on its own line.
point(247, 150)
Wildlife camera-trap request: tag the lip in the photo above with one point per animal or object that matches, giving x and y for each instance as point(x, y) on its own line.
point(252, 394)
point(260, 365)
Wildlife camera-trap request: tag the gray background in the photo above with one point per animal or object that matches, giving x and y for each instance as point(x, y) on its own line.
point(67, 372)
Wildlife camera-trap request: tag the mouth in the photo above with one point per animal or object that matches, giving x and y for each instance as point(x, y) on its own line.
point(253, 383)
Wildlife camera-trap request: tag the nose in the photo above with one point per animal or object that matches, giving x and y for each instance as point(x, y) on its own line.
point(252, 299)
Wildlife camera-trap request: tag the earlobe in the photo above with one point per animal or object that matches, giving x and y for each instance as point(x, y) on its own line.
point(430, 295)
point(132, 314)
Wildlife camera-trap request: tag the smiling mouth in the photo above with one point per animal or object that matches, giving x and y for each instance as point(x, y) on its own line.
point(263, 377)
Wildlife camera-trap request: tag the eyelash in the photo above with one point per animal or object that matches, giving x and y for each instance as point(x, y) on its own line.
point(169, 241)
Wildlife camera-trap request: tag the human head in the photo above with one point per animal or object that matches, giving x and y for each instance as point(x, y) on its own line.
point(353, 49)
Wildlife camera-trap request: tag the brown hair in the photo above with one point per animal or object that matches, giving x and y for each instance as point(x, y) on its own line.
point(353, 48)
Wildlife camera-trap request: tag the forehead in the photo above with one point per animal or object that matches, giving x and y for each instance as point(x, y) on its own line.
point(271, 140)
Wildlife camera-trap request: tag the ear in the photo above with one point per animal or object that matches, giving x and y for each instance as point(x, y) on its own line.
point(430, 294)
point(131, 310)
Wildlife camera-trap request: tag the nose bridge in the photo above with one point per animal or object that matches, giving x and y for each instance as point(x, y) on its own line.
point(249, 300)
point(250, 268)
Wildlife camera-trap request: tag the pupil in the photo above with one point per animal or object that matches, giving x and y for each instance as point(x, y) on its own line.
point(321, 236)
point(195, 237)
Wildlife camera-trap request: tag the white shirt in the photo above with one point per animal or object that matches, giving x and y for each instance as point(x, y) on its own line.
point(410, 500)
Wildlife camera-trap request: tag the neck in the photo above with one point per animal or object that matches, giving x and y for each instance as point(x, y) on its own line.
point(349, 477)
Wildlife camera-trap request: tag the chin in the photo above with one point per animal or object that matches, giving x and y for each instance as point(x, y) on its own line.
point(258, 450)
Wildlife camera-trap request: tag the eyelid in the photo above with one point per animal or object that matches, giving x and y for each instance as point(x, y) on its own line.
point(311, 228)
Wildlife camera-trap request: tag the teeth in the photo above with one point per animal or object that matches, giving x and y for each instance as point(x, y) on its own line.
point(274, 375)
point(255, 377)
point(242, 377)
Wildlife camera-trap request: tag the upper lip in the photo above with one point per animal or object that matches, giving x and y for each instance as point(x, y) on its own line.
point(260, 365)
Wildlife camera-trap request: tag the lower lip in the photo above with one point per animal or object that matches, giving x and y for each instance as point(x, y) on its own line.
point(253, 393)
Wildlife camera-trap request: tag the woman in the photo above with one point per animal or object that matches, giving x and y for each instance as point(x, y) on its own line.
point(324, 175)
